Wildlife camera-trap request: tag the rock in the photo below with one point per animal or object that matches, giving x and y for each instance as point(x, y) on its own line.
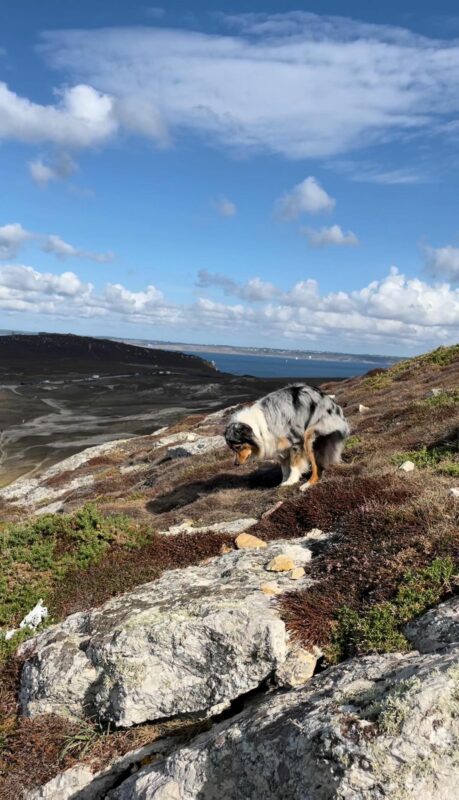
point(363, 408)
point(407, 466)
point(332, 396)
point(297, 573)
point(203, 444)
point(298, 667)
point(383, 726)
point(86, 783)
point(435, 629)
point(185, 643)
point(246, 541)
point(454, 492)
point(280, 563)
point(270, 588)
point(29, 491)
point(434, 392)
point(233, 526)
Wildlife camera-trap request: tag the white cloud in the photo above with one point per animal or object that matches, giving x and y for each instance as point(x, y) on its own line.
point(443, 262)
point(60, 248)
point(395, 311)
point(81, 117)
point(225, 207)
point(12, 237)
point(298, 84)
point(331, 236)
point(306, 197)
point(61, 167)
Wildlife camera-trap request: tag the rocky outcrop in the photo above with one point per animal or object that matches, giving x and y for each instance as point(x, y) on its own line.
point(435, 629)
point(190, 642)
point(379, 727)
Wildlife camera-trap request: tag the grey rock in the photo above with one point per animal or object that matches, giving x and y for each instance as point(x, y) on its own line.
point(203, 444)
point(194, 639)
point(435, 629)
point(408, 466)
point(233, 526)
point(379, 727)
point(83, 783)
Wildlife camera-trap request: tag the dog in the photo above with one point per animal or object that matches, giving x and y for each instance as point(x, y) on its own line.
point(299, 425)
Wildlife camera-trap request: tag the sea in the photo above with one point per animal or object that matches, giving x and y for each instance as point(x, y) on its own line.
point(292, 367)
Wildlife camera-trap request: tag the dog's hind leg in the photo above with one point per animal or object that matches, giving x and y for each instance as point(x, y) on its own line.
point(309, 437)
point(298, 465)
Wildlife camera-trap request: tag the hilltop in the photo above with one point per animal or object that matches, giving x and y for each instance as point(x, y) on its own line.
point(189, 668)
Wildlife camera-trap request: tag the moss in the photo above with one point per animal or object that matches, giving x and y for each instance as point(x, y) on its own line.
point(352, 442)
point(378, 629)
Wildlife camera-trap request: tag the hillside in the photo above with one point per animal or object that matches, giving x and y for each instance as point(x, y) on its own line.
point(200, 665)
point(60, 393)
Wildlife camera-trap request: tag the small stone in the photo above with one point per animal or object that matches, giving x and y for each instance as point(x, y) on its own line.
point(297, 573)
point(246, 541)
point(332, 396)
point(454, 492)
point(434, 392)
point(363, 408)
point(407, 466)
point(271, 510)
point(280, 563)
point(270, 588)
point(225, 549)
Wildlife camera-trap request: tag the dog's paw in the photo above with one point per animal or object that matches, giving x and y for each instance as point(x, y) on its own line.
point(304, 486)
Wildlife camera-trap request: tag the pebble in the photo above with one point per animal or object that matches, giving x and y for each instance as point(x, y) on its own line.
point(270, 588)
point(280, 563)
point(454, 492)
point(246, 541)
point(407, 466)
point(297, 573)
point(363, 408)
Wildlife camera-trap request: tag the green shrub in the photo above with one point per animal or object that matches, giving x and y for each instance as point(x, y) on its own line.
point(377, 630)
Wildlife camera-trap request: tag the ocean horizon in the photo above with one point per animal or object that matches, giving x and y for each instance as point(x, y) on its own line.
point(287, 366)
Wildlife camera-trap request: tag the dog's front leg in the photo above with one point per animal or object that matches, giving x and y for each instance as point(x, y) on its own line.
point(296, 468)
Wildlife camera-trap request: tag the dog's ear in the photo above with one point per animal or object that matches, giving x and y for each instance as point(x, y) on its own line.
point(238, 433)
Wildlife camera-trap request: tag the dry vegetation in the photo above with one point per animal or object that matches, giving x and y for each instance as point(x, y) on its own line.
point(395, 551)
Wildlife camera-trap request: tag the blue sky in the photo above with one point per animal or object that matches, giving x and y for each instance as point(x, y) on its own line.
point(257, 175)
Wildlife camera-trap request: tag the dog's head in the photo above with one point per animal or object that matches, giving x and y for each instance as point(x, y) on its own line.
point(241, 439)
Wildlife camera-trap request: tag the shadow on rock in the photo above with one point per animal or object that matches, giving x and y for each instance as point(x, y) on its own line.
point(262, 478)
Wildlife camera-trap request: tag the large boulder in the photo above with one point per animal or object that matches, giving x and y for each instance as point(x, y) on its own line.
point(435, 629)
point(191, 641)
point(384, 726)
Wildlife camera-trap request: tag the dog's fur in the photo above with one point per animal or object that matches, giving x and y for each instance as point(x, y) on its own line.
point(299, 425)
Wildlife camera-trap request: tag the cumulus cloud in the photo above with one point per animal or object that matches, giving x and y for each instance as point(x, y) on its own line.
point(306, 197)
point(298, 84)
point(443, 262)
point(395, 311)
point(60, 167)
point(331, 236)
point(225, 207)
point(81, 117)
point(14, 236)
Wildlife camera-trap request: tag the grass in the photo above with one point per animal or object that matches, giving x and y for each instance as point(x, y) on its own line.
point(36, 556)
point(443, 458)
point(441, 400)
point(441, 357)
point(378, 630)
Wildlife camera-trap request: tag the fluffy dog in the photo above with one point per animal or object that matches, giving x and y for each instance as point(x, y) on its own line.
point(299, 425)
